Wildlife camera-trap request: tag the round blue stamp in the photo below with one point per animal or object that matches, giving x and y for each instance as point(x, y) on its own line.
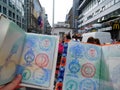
point(74, 66)
point(40, 76)
point(92, 52)
point(77, 51)
point(45, 43)
point(87, 84)
point(71, 85)
point(29, 57)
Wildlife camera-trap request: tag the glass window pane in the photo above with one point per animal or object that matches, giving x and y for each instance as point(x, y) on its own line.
point(4, 11)
point(10, 13)
point(5, 1)
point(0, 9)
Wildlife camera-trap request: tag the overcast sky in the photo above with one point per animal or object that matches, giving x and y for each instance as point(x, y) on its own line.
point(62, 8)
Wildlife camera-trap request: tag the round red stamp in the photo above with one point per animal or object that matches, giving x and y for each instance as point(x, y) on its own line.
point(88, 70)
point(42, 60)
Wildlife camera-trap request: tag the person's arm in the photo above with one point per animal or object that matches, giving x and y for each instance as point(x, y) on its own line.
point(14, 84)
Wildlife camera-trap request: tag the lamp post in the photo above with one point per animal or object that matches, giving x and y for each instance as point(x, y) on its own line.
point(53, 16)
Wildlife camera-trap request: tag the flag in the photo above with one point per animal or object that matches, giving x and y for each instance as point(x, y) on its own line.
point(40, 21)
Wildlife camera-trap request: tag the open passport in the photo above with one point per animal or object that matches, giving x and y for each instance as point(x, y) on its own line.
point(92, 67)
point(32, 55)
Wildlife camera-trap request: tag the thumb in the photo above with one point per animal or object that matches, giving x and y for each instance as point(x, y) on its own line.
point(13, 84)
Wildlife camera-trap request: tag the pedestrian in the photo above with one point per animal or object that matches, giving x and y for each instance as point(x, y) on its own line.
point(97, 41)
point(67, 37)
point(74, 37)
point(79, 37)
point(91, 40)
point(60, 47)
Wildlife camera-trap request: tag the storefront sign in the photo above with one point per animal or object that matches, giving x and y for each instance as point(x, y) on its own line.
point(116, 26)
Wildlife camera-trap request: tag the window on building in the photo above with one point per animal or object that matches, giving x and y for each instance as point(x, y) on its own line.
point(19, 24)
point(103, 8)
point(100, 1)
point(13, 15)
point(23, 26)
point(23, 20)
point(10, 3)
point(5, 1)
point(13, 6)
point(0, 8)
point(10, 13)
point(81, 22)
point(89, 17)
point(17, 17)
point(4, 11)
point(97, 12)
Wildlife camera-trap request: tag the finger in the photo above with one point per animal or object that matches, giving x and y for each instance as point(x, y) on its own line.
point(13, 84)
point(19, 87)
point(1, 86)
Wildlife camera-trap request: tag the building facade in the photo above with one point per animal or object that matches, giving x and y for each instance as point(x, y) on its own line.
point(33, 11)
point(14, 10)
point(47, 28)
point(75, 12)
point(62, 28)
point(72, 16)
point(69, 18)
point(105, 12)
point(28, 14)
point(36, 19)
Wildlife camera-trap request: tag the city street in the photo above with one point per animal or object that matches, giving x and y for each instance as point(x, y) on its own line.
point(59, 45)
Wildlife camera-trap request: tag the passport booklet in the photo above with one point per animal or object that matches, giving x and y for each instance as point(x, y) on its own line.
point(91, 67)
point(31, 55)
